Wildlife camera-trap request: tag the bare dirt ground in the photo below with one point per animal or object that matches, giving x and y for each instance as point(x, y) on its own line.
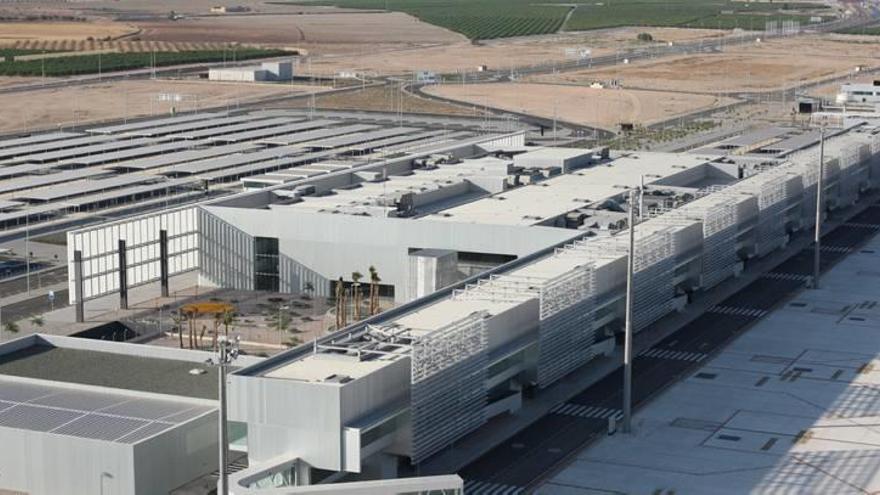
point(51, 108)
point(829, 91)
point(506, 53)
point(11, 32)
point(766, 66)
point(603, 108)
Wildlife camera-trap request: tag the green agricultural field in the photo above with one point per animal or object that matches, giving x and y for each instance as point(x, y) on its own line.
point(868, 30)
point(476, 19)
point(714, 14)
point(108, 62)
point(487, 19)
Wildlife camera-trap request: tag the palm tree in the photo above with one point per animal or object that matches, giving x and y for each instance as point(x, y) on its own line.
point(374, 290)
point(340, 303)
point(308, 288)
point(229, 320)
point(356, 289)
point(178, 323)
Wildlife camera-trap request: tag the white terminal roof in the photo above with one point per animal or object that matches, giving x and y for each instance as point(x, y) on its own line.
point(320, 367)
point(536, 203)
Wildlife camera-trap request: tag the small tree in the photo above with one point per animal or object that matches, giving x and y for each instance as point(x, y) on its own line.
point(645, 37)
point(308, 289)
point(11, 327)
point(37, 321)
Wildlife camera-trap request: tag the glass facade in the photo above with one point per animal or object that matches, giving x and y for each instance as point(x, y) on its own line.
point(266, 273)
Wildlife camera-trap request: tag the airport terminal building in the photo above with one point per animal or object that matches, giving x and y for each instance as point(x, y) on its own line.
point(506, 261)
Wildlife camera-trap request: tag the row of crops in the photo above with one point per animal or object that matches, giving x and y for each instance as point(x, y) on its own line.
point(476, 19)
point(488, 19)
point(715, 14)
point(108, 62)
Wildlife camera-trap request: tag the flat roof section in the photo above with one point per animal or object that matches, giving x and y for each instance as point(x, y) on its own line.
point(537, 203)
point(329, 368)
point(102, 369)
point(103, 416)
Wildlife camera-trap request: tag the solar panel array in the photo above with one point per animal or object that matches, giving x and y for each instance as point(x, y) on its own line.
point(106, 416)
point(48, 175)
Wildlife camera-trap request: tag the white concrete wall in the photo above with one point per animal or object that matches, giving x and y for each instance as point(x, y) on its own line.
point(177, 456)
point(40, 463)
point(337, 245)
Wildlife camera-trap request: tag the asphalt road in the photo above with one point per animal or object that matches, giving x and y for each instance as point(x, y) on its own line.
point(529, 457)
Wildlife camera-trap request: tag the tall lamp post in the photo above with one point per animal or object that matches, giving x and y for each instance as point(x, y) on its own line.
point(628, 330)
point(820, 186)
point(227, 353)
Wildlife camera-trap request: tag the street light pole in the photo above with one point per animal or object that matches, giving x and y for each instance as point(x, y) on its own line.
point(225, 356)
point(628, 330)
point(820, 186)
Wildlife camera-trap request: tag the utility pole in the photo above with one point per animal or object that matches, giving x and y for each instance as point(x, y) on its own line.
point(628, 330)
point(225, 356)
point(820, 186)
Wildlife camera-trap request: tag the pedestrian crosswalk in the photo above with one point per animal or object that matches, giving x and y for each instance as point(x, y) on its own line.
point(787, 276)
point(670, 354)
point(728, 310)
point(862, 225)
point(570, 409)
point(835, 249)
point(474, 487)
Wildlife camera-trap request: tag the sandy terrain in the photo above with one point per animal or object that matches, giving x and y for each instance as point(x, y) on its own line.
point(603, 108)
point(43, 109)
point(299, 29)
point(829, 91)
point(506, 53)
point(756, 67)
point(16, 31)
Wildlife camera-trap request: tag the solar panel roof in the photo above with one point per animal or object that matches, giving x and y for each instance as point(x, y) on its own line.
point(301, 137)
point(340, 141)
point(230, 129)
point(96, 415)
point(82, 187)
point(114, 129)
point(180, 157)
point(37, 138)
